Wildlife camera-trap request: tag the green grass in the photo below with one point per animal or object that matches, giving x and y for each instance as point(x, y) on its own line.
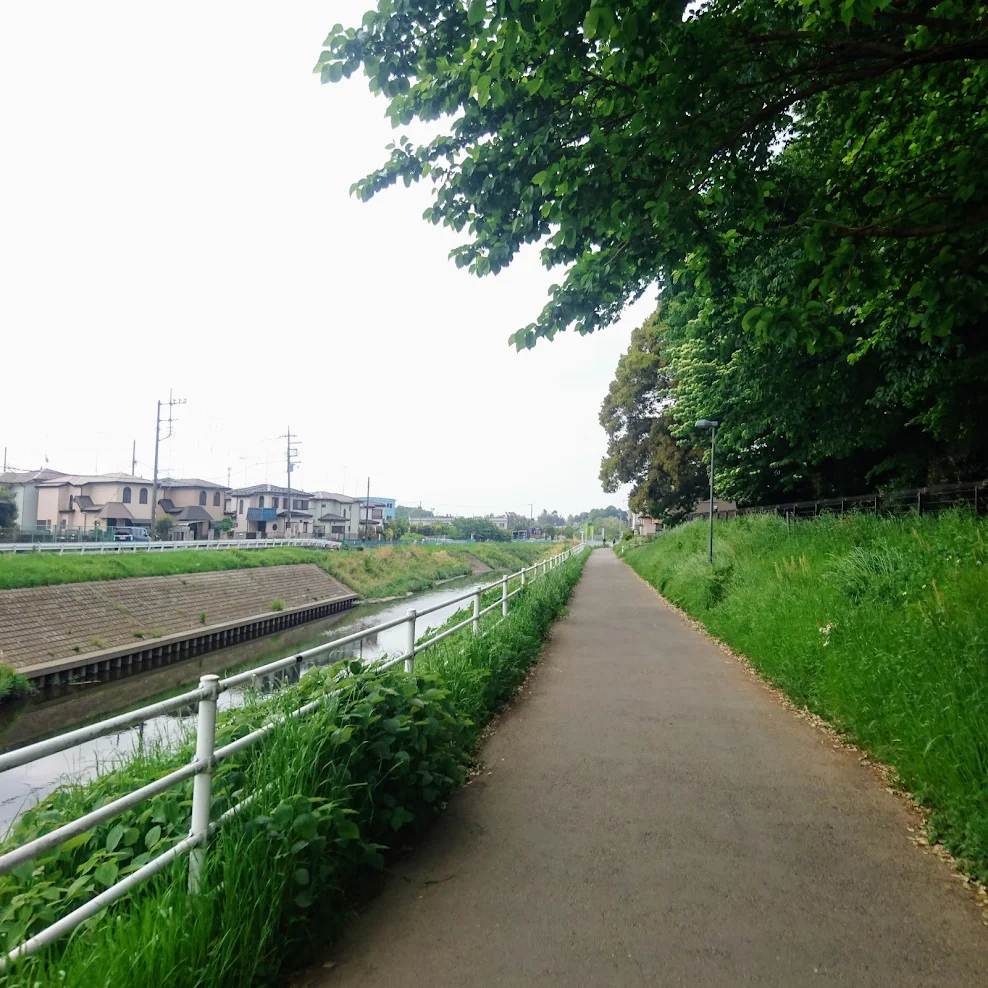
point(878, 625)
point(383, 572)
point(12, 684)
point(337, 789)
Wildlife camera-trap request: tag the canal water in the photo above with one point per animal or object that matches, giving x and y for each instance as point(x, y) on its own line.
point(65, 708)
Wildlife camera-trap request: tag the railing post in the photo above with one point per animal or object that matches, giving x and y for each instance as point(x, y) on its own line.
point(504, 596)
point(476, 613)
point(202, 784)
point(524, 571)
point(410, 650)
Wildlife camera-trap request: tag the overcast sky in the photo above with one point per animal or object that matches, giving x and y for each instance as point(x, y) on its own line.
point(175, 214)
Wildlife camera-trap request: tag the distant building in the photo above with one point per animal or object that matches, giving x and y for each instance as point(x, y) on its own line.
point(195, 505)
point(94, 501)
point(431, 520)
point(335, 516)
point(499, 521)
point(644, 525)
point(722, 509)
point(267, 511)
point(24, 486)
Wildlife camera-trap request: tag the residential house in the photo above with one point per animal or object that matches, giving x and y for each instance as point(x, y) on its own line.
point(24, 486)
point(194, 504)
point(95, 501)
point(644, 525)
point(374, 515)
point(266, 511)
point(431, 520)
point(334, 516)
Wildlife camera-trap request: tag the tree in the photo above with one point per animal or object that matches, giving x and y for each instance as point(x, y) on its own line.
point(640, 142)
point(802, 179)
point(163, 526)
point(667, 475)
point(8, 508)
point(224, 525)
point(550, 532)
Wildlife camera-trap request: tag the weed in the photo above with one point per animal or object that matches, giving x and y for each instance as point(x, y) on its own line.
point(99, 643)
point(140, 634)
point(202, 617)
point(12, 683)
point(277, 605)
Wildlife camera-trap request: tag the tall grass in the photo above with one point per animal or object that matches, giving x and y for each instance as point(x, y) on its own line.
point(336, 790)
point(877, 624)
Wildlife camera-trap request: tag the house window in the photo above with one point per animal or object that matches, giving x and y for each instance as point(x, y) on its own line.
point(143, 496)
point(260, 501)
point(216, 499)
point(274, 527)
point(202, 497)
point(241, 506)
point(71, 502)
point(284, 502)
point(126, 495)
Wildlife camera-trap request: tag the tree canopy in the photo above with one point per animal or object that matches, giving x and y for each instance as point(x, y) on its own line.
point(803, 181)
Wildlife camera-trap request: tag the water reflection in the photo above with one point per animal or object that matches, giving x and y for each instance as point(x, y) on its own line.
point(65, 708)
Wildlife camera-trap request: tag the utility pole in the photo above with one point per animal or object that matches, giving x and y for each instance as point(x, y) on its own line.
point(158, 438)
point(367, 519)
point(291, 461)
point(133, 459)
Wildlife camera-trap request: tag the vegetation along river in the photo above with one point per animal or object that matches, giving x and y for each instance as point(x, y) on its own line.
point(65, 708)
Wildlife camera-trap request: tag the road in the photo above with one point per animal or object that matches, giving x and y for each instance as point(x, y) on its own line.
point(650, 814)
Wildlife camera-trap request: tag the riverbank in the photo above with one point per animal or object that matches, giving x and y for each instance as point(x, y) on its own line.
point(878, 625)
point(373, 573)
point(335, 791)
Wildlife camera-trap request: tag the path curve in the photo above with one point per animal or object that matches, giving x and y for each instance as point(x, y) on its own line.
point(650, 815)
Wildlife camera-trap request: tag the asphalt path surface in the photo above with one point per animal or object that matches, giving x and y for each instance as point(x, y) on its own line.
point(649, 814)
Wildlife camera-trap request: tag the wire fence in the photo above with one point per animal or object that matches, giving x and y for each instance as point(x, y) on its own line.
point(924, 500)
point(208, 756)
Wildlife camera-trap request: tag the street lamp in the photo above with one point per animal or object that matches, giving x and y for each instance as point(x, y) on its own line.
point(712, 426)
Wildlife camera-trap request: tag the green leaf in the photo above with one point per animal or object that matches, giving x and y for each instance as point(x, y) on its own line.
point(301, 876)
point(114, 836)
point(306, 825)
point(347, 830)
point(750, 316)
point(590, 23)
point(152, 837)
point(477, 11)
point(106, 873)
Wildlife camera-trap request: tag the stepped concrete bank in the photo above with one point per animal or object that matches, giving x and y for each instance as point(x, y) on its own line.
point(56, 633)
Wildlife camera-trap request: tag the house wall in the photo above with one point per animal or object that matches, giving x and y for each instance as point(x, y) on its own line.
point(183, 497)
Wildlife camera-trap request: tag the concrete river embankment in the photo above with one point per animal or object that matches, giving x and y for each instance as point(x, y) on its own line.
point(55, 634)
point(57, 710)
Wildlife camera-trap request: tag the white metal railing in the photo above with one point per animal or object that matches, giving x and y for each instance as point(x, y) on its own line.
point(100, 548)
point(207, 756)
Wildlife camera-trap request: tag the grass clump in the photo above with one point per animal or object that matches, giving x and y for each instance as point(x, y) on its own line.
point(876, 624)
point(336, 790)
point(13, 684)
point(277, 605)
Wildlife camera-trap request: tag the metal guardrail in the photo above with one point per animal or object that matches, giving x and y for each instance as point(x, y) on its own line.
point(101, 548)
point(207, 756)
point(940, 497)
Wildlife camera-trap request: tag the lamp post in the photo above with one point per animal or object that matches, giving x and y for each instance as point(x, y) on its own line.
point(712, 426)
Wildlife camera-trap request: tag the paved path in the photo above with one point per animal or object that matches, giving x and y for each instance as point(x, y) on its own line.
point(652, 816)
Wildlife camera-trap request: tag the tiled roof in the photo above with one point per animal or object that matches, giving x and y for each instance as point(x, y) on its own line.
point(266, 489)
point(329, 496)
point(28, 476)
point(191, 482)
point(78, 480)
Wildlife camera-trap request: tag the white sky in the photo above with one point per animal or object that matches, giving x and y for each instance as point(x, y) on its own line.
point(175, 214)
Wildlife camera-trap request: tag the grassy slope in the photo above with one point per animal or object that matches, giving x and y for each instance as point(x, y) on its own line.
point(372, 573)
point(336, 788)
point(879, 625)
